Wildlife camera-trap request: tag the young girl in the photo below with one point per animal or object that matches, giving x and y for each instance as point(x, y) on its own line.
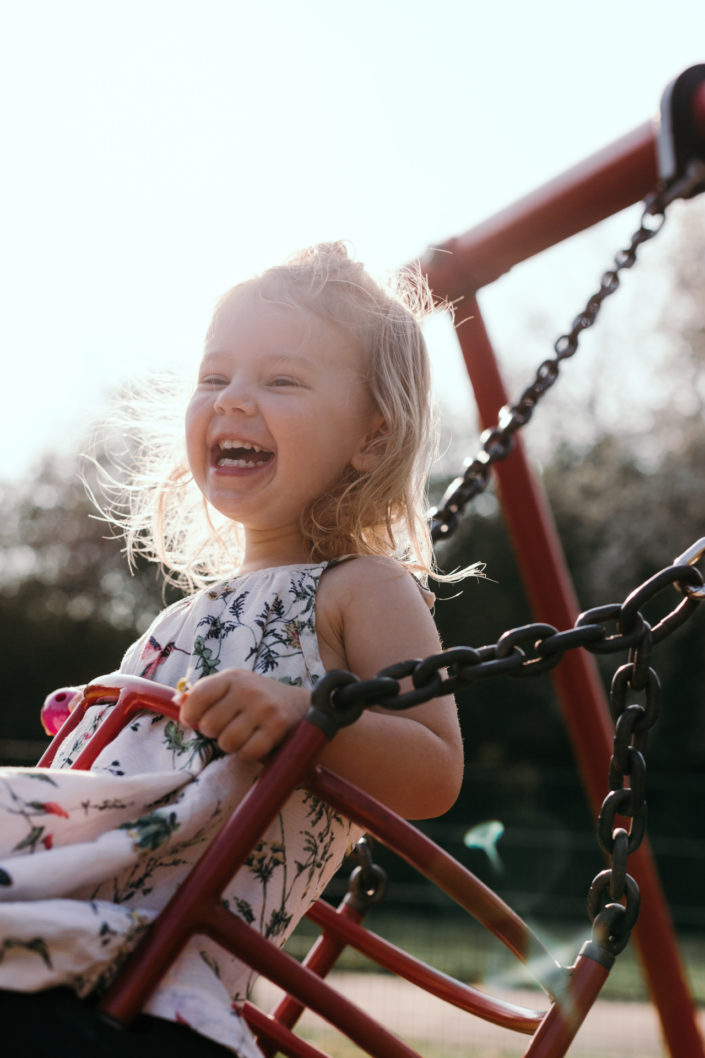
point(298, 516)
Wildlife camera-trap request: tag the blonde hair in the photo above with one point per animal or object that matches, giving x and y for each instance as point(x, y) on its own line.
point(163, 515)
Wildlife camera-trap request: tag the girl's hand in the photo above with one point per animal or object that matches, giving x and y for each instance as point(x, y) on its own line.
point(244, 712)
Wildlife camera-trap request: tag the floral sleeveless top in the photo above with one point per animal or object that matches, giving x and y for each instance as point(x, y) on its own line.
point(88, 858)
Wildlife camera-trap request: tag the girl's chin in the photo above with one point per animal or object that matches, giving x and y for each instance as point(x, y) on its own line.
point(233, 483)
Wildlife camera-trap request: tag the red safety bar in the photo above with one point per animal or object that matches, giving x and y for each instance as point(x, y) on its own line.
point(197, 908)
point(616, 177)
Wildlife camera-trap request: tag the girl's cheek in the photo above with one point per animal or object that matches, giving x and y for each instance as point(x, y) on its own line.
point(195, 442)
point(191, 412)
point(194, 421)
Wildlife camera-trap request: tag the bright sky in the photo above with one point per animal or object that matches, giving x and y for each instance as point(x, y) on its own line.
point(156, 151)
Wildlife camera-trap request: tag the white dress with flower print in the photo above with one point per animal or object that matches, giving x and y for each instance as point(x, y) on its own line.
point(88, 858)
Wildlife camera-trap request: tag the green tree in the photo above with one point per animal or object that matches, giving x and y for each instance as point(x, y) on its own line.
point(69, 605)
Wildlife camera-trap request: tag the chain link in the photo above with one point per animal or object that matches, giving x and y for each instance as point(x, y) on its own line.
point(367, 883)
point(519, 652)
point(497, 441)
point(613, 899)
point(694, 553)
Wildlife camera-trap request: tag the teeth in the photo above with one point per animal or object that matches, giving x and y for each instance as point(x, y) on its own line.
point(235, 453)
point(227, 443)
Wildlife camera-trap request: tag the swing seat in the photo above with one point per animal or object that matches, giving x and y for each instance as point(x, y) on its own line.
point(197, 908)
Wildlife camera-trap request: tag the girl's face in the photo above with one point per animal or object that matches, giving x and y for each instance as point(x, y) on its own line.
point(280, 411)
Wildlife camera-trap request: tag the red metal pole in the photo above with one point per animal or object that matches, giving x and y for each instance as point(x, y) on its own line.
point(616, 177)
point(580, 691)
point(190, 905)
point(320, 960)
point(561, 1025)
point(623, 173)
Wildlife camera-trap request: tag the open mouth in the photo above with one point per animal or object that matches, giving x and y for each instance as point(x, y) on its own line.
point(240, 454)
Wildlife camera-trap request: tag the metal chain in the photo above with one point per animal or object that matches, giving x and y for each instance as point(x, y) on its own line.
point(520, 652)
point(340, 697)
point(613, 897)
point(497, 442)
point(367, 883)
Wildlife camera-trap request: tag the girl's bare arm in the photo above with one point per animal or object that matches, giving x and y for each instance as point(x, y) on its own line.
point(370, 615)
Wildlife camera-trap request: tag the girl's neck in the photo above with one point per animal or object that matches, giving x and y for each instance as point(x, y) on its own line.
point(263, 550)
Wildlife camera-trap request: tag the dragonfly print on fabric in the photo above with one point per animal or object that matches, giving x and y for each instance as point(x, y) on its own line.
point(154, 654)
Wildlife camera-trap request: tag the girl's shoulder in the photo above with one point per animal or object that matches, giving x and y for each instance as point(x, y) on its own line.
point(368, 582)
point(364, 569)
point(372, 576)
point(371, 611)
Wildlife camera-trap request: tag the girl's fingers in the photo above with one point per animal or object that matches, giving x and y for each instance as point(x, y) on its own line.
point(245, 733)
point(203, 697)
point(245, 713)
point(252, 744)
point(220, 716)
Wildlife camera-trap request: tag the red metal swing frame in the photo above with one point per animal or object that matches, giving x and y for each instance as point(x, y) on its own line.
point(197, 907)
point(623, 173)
point(609, 181)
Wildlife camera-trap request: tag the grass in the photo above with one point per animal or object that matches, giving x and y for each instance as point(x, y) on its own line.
point(463, 950)
point(339, 1047)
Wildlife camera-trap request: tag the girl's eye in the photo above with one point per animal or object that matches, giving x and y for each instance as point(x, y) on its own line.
point(212, 380)
point(284, 380)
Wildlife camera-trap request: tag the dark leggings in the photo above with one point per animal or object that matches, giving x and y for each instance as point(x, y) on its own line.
point(57, 1024)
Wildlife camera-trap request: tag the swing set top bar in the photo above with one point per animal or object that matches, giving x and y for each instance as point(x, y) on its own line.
point(621, 174)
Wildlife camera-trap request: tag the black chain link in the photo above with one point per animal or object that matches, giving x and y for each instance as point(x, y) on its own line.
point(368, 881)
point(519, 652)
point(613, 900)
point(497, 442)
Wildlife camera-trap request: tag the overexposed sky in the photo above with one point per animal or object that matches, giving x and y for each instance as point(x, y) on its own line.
point(157, 151)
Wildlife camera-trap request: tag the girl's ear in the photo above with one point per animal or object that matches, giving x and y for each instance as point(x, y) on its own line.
point(372, 449)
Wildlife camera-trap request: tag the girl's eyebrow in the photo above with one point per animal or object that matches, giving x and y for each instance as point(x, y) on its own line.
point(297, 359)
point(272, 358)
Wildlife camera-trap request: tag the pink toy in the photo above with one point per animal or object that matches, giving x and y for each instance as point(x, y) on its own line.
point(56, 708)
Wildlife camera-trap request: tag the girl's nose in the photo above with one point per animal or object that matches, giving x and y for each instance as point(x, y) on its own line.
point(236, 396)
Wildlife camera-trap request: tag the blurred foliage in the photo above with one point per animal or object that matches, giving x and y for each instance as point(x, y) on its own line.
point(69, 605)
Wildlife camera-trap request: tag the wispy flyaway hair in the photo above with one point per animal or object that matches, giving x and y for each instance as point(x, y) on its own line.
point(382, 511)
